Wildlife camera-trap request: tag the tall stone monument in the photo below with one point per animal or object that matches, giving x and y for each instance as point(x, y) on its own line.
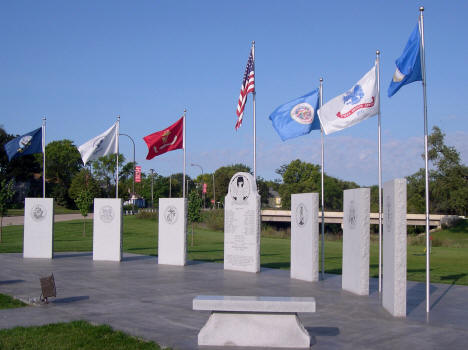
point(38, 228)
point(304, 237)
point(107, 229)
point(172, 231)
point(356, 225)
point(242, 224)
point(394, 247)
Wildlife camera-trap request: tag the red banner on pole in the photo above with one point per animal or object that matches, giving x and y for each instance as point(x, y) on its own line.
point(204, 188)
point(138, 173)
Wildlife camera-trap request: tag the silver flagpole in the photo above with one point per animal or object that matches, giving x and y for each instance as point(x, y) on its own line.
point(43, 155)
point(117, 158)
point(322, 185)
point(254, 122)
point(423, 73)
point(377, 63)
point(183, 186)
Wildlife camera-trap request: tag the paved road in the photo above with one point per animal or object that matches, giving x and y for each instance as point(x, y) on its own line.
point(19, 220)
point(153, 301)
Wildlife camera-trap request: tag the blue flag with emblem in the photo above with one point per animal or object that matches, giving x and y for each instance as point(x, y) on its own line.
point(408, 65)
point(29, 143)
point(297, 117)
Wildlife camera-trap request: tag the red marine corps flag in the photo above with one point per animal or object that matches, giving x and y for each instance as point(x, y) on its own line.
point(165, 140)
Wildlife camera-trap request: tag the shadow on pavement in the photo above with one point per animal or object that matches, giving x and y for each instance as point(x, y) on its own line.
point(11, 281)
point(72, 255)
point(70, 299)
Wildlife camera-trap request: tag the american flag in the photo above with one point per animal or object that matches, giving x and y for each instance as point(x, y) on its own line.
point(248, 85)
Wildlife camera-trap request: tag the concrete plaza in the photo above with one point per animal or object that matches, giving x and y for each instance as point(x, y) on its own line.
point(154, 302)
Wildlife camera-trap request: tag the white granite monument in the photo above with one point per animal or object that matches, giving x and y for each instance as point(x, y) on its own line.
point(242, 224)
point(394, 247)
point(304, 237)
point(38, 228)
point(107, 229)
point(172, 234)
point(356, 225)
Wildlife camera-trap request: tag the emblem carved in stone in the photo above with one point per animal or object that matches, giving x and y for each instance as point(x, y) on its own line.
point(106, 213)
point(388, 214)
point(352, 216)
point(301, 215)
point(240, 189)
point(170, 214)
point(38, 212)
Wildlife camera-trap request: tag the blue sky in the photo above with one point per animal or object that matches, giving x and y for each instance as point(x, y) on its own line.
point(81, 63)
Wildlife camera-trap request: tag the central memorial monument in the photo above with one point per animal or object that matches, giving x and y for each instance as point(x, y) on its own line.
point(242, 224)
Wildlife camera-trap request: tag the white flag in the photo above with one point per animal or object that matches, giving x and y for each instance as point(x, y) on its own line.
point(352, 107)
point(101, 145)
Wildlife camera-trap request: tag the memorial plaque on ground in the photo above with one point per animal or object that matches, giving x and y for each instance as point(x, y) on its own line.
point(107, 229)
point(356, 224)
point(394, 247)
point(304, 237)
point(38, 228)
point(172, 231)
point(242, 224)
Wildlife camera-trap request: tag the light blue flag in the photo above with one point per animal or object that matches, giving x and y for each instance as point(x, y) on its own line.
point(408, 65)
point(297, 117)
point(29, 143)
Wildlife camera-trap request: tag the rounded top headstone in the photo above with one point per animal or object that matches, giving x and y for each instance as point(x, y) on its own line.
point(241, 187)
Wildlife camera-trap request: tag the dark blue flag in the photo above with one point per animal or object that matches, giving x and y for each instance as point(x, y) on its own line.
point(408, 65)
point(297, 117)
point(29, 143)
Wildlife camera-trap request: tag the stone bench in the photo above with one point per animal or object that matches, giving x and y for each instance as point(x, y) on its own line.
point(254, 321)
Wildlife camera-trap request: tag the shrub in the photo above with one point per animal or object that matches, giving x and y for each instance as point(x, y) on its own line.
point(147, 215)
point(213, 219)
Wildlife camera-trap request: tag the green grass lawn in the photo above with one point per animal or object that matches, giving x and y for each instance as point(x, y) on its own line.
point(7, 302)
point(448, 264)
point(73, 335)
point(57, 210)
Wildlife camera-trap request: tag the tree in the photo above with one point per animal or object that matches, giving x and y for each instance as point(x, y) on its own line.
point(223, 176)
point(194, 208)
point(104, 172)
point(83, 202)
point(63, 161)
point(263, 189)
point(84, 180)
point(302, 177)
point(160, 187)
point(448, 185)
point(7, 192)
point(23, 169)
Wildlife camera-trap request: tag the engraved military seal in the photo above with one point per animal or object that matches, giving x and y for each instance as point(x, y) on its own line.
point(352, 216)
point(106, 214)
point(170, 214)
point(38, 212)
point(301, 215)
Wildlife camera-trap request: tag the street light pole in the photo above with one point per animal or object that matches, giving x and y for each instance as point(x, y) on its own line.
point(203, 194)
point(134, 163)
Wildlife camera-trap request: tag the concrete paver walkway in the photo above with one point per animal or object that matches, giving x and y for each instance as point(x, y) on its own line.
point(153, 301)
